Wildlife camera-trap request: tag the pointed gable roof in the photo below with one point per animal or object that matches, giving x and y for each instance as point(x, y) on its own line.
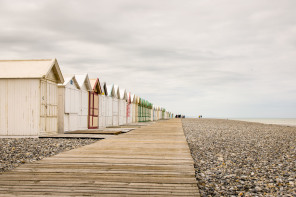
point(110, 90)
point(83, 79)
point(133, 98)
point(95, 85)
point(30, 69)
point(104, 88)
point(70, 79)
point(116, 91)
point(123, 94)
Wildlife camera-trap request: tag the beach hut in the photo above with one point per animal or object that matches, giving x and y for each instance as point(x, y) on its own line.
point(85, 87)
point(151, 113)
point(102, 106)
point(93, 103)
point(68, 102)
point(163, 113)
point(140, 112)
point(115, 106)
point(158, 113)
point(137, 108)
point(149, 110)
point(29, 97)
point(133, 107)
point(122, 106)
point(129, 109)
point(154, 113)
point(109, 105)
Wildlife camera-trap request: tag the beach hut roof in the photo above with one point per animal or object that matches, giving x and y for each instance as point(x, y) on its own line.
point(30, 69)
point(133, 98)
point(116, 91)
point(83, 79)
point(110, 90)
point(95, 85)
point(123, 94)
point(70, 79)
point(104, 88)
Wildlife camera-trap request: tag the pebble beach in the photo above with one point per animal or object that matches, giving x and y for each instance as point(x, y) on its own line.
point(236, 158)
point(17, 151)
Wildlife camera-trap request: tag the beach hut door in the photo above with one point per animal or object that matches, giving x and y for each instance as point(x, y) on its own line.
point(49, 107)
point(93, 110)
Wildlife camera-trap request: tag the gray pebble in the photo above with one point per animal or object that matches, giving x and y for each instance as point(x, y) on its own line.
point(17, 151)
point(234, 158)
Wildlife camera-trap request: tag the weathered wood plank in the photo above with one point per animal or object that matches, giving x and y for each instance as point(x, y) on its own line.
point(152, 160)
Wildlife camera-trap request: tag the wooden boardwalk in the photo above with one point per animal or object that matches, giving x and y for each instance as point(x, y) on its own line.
point(150, 161)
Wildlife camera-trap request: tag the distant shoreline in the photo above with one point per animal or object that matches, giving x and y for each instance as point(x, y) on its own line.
point(276, 121)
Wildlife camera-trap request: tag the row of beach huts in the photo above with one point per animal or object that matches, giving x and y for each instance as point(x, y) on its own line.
point(37, 99)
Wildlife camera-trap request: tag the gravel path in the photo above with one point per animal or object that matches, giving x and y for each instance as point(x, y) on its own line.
point(235, 158)
point(17, 151)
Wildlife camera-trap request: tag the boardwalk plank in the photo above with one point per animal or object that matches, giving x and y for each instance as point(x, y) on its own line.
point(152, 160)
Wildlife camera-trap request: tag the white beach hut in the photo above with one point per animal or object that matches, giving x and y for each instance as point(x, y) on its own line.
point(158, 113)
point(102, 106)
point(122, 106)
point(85, 87)
point(151, 113)
point(29, 97)
point(109, 105)
point(68, 102)
point(133, 107)
point(115, 106)
point(154, 113)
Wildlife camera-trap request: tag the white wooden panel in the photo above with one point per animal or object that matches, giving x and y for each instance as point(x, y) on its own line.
point(66, 122)
point(72, 101)
point(151, 114)
point(123, 112)
point(73, 122)
point(108, 111)
point(67, 99)
point(3, 107)
point(84, 109)
point(115, 114)
point(52, 104)
point(43, 95)
point(102, 121)
point(19, 104)
point(103, 111)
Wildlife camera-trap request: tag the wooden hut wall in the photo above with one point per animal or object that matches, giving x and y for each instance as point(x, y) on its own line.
point(93, 115)
point(29, 97)
point(115, 107)
point(102, 106)
point(151, 114)
point(83, 105)
point(102, 111)
point(69, 97)
point(19, 116)
point(133, 102)
point(122, 107)
point(109, 105)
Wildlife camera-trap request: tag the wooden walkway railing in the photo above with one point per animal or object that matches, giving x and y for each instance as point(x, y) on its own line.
point(151, 161)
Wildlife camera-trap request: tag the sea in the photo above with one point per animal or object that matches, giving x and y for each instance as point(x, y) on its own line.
point(277, 121)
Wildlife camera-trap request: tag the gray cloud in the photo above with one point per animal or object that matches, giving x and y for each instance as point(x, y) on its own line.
point(220, 58)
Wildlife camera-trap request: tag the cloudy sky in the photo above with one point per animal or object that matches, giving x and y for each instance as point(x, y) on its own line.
point(219, 58)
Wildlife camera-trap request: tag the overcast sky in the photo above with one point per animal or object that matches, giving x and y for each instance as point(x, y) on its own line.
point(219, 58)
